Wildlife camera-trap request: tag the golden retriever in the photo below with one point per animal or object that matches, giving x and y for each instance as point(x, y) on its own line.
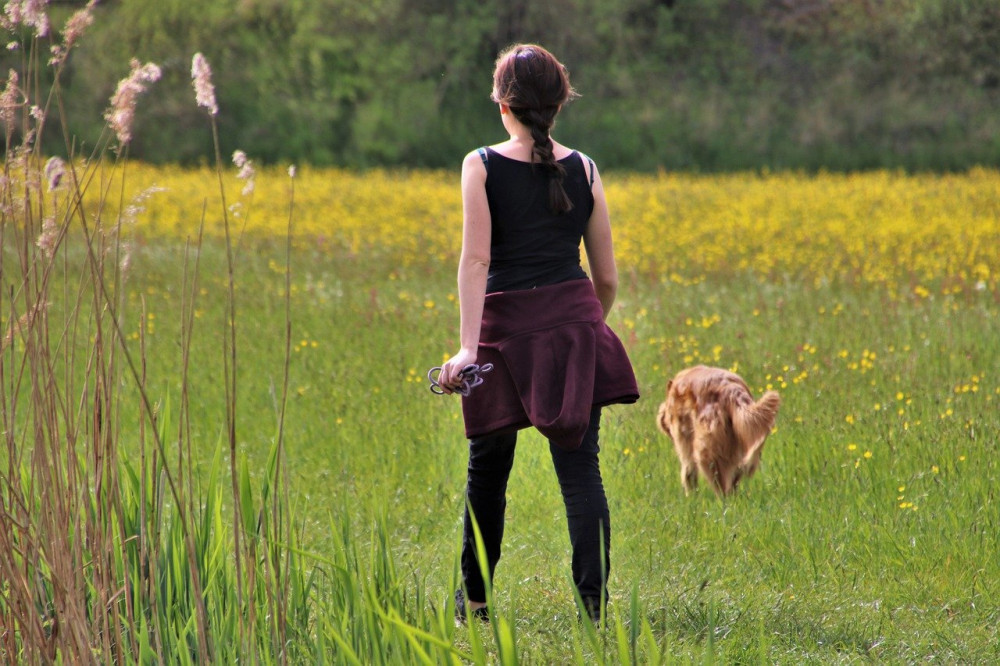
point(717, 427)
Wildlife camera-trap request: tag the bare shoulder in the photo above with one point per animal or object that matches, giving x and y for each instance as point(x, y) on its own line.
point(474, 163)
point(474, 157)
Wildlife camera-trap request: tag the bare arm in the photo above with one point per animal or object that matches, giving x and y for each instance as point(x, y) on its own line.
point(600, 252)
point(473, 267)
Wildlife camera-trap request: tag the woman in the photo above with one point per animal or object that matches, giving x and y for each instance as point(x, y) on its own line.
point(528, 307)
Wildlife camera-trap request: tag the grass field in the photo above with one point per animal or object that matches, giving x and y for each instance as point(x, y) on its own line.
point(869, 301)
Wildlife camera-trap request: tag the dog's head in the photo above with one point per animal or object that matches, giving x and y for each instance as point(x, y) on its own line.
point(748, 467)
point(750, 464)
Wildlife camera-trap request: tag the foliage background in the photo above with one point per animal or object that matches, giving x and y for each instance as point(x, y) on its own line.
point(677, 84)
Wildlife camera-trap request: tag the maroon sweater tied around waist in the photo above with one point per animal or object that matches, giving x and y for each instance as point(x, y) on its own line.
point(553, 359)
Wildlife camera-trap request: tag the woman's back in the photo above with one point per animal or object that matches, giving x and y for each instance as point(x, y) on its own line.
point(530, 245)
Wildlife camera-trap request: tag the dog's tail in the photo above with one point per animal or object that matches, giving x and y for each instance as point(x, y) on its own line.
point(753, 421)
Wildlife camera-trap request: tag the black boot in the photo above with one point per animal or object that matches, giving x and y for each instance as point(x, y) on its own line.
point(592, 607)
point(461, 614)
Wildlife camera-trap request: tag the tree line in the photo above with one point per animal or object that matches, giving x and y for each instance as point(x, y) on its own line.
point(666, 84)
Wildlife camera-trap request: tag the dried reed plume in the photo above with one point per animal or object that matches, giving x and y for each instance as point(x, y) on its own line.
point(77, 23)
point(48, 239)
point(30, 13)
point(247, 171)
point(55, 169)
point(10, 101)
point(201, 78)
point(21, 324)
point(122, 111)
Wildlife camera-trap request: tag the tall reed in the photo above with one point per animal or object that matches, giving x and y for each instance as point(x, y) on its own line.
point(114, 550)
point(85, 543)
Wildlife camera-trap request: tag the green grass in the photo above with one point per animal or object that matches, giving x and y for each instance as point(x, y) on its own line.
point(232, 455)
point(814, 561)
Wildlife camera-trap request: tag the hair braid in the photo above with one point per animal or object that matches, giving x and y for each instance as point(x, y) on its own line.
point(539, 122)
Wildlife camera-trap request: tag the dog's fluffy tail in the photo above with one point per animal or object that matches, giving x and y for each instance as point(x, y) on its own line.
point(753, 421)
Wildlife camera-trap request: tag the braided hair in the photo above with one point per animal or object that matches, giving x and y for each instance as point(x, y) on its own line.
point(535, 85)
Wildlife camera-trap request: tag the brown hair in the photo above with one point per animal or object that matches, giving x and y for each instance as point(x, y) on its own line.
point(535, 85)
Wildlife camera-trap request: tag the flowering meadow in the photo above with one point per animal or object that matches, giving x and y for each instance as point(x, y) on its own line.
point(913, 234)
point(869, 301)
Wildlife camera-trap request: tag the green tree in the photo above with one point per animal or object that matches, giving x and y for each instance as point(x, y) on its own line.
point(690, 84)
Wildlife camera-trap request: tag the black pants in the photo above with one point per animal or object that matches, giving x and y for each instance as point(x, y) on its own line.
point(579, 473)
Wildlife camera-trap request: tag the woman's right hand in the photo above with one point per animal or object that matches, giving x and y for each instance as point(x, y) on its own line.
point(449, 379)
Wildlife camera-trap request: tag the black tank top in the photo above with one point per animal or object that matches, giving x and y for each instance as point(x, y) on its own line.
point(531, 246)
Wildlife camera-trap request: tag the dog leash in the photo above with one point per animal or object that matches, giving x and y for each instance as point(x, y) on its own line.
point(471, 376)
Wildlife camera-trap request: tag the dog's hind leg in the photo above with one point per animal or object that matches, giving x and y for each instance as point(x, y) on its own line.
point(689, 476)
